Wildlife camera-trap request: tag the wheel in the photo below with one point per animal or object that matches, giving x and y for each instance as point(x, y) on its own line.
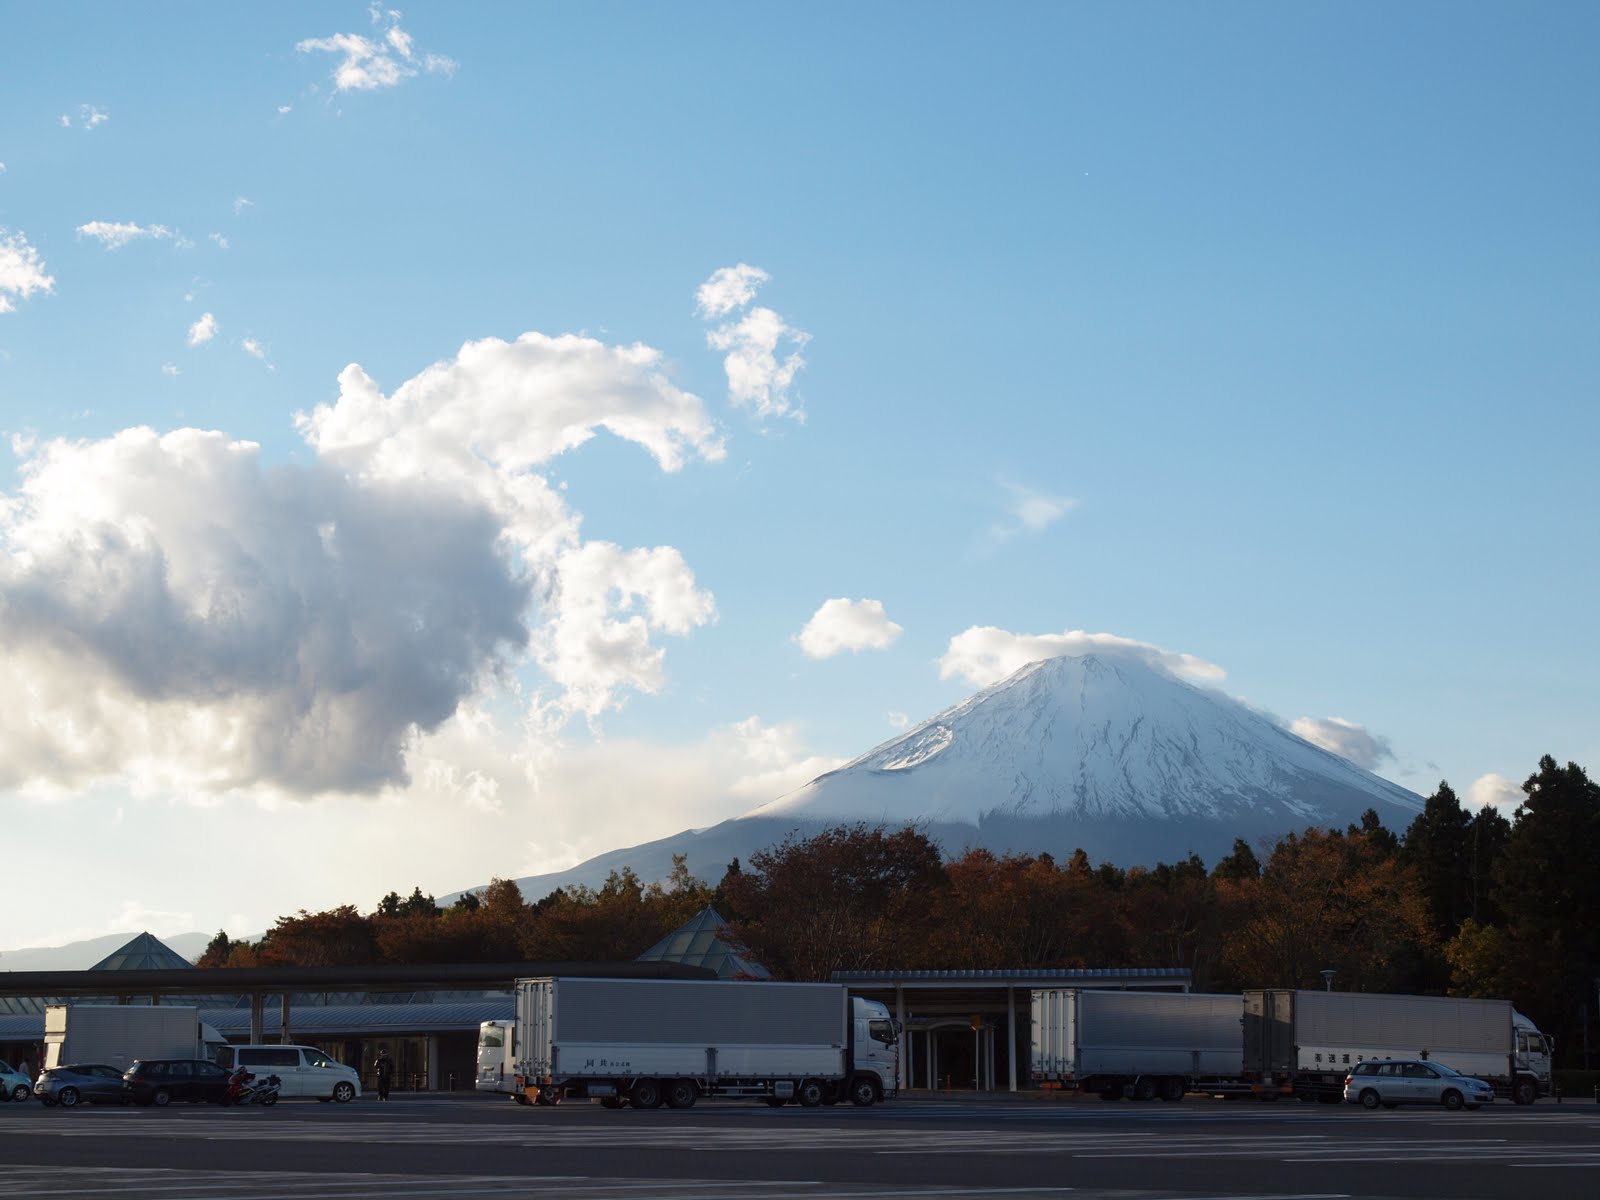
point(269, 1100)
point(647, 1094)
point(161, 1098)
point(1452, 1100)
point(21, 1092)
point(682, 1093)
point(68, 1097)
point(776, 1101)
point(1173, 1089)
point(1144, 1088)
point(344, 1091)
point(809, 1093)
point(1524, 1092)
point(1370, 1099)
point(863, 1092)
point(612, 1101)
point(549, 1097)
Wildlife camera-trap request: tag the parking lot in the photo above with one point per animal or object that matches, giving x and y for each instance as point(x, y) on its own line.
point(422, 1145)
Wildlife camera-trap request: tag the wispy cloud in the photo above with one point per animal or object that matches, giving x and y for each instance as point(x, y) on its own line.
point(1030, 512)
point(240, 203)
point(203, 330)
point(1344, 738)
point(22, 271)
point(220, 239)
point(256, 350)
point(758, 378)
point(384, 60)
point(114, 235)
point(88, 117)
point(843, 624)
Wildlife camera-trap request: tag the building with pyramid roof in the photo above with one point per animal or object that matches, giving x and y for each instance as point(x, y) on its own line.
point(145, 953)
point(705, 940)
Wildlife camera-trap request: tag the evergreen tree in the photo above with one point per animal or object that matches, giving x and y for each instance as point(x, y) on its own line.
point(1437, 846)
point(1239, 864)
point(1548, 888)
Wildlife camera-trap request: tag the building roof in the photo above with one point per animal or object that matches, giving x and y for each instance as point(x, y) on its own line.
point(144, 953)
point(705, 940)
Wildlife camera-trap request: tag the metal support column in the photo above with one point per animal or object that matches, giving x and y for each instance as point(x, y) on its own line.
point(902, 1060)
point(258, 1019)
point(1011, 1033)
point(283, 1032)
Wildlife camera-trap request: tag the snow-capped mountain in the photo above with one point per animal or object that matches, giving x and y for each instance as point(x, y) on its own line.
point(1104, 753)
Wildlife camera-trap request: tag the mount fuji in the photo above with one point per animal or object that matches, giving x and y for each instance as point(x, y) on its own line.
point(1105, 753)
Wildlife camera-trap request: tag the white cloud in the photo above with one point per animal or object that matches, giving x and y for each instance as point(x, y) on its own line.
point(285, 108)
point(1495, 791)
point(729, 288)
point(757, 379)
point(367, 64)
point(983, 654)
point(114, 235)
point(1031, 512)
point(898, 720)
point(842, 624)
point(179, 619)
point(1344, 738)
point(203, 330)
point(21, 271)
point(240, 203)
point(220, 240)
point(89, 117)
point(253, 348)
point(170, 369)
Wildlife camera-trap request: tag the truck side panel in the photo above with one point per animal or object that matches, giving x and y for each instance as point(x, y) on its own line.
point(1084, 1034)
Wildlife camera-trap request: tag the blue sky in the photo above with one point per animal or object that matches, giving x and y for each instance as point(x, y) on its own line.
point(454, 443)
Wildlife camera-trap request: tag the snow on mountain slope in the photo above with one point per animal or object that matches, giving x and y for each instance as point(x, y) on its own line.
point(1101, 753)
point(1098, 738)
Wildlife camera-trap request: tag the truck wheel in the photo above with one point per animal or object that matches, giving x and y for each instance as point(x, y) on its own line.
point(1370, 1099)
point(862, 1092)
point(1524, 1092)
point(1173, 1089)
point(1144, 1088)
point(809, 1093)
point(612, 1101)
point(681, 1093)
point(647, 1094)
point(775, 1101)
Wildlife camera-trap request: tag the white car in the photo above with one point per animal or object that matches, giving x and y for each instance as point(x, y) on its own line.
point(1389, 1082)
point(303, 1070)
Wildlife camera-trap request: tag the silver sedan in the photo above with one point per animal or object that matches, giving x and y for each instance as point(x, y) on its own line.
point(1387, 1083)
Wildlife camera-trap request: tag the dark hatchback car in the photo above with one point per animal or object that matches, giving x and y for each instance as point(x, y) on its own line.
point(81, 1083)
point(160, 1081)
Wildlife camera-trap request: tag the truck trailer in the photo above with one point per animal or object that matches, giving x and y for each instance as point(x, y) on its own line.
point(1142, 1045)
point(116, 1034)
point(648, 1042)
point(1305, 1042)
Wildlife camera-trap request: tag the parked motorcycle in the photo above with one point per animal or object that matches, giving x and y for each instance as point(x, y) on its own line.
point(245, 1088)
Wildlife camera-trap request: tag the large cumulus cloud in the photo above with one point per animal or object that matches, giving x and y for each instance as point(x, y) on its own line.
point(177, 613)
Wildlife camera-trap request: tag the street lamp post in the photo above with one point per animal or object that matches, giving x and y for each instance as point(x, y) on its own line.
point(1327, 978)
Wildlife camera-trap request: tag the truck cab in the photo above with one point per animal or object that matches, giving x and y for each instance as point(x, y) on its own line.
point(875, 1050)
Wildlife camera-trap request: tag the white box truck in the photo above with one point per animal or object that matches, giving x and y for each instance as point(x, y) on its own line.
point(1305, 1042)
point(648, 1042)
point(116, 1034)
point(1142, 1045)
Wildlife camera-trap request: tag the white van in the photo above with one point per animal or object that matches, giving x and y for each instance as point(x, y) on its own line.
point(304, 1070)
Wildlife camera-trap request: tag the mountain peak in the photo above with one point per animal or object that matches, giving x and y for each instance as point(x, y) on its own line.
point(1093, 738)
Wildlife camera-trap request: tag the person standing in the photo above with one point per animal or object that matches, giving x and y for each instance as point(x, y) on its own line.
point(384, 1070)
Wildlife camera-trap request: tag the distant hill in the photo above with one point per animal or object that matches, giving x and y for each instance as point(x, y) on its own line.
point(80, 956)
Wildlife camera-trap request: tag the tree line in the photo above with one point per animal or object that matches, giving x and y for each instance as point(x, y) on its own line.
point(1466, 903)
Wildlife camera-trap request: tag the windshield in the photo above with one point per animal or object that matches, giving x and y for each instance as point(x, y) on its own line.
point(1444, 1070)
